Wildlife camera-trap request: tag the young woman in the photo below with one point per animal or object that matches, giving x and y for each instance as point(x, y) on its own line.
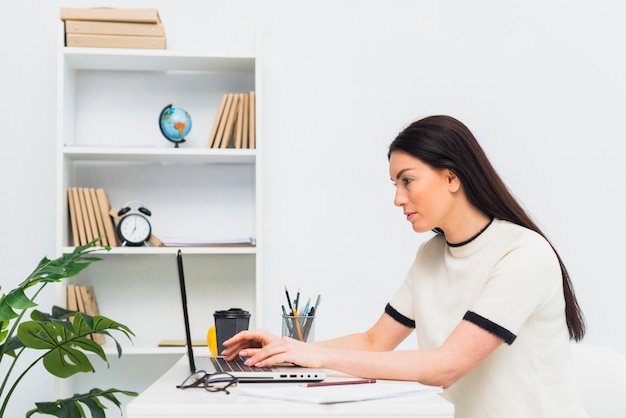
point(488, 296)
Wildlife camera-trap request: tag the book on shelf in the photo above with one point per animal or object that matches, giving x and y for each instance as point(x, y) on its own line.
point(106, 27)
point(182, 343)
point(83, 208)
point(114, 41)
point(89, 216)
point(93, 27)
point(73, 216)
point(206, 242)
point(230, 122)
point(82, 298)
point(221, 119)
point(110, 14)
point(105, 207)
point(233, 126)
point(252, 121)
point(216, 122)
point(245, 121)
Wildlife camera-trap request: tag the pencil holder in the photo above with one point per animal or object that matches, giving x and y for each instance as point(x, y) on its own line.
point(301, 328)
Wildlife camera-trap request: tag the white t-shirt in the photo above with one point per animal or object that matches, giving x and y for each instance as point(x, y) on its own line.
point(507, 281)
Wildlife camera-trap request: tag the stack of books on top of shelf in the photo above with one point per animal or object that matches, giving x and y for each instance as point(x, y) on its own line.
point(234, 125)
point(104, 27)
point(90, 218)
point(83, 299)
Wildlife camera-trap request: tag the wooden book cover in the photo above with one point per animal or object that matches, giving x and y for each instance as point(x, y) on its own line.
point(80, 304)
point(110, 14)
point(83, 207)
point(239, 122)
point(71, 302)
point(114, 28)
point(73, 219)
point(251, 121)
point(114, 41)
point(99, 220)
point(155, 242)
point(90, 304)
point(216, 122)
point(220, 130)
point(80, 221)
point(105, 208)
point(244, 127)
point(91, 214)
point(230, 122)
point(182, 343)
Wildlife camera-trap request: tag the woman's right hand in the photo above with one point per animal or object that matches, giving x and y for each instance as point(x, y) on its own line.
point(247, 343)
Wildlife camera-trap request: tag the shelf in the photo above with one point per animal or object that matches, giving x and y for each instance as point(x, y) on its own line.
point(153, 60)
point(110, 349)
point(194, 191)
point(164, 155)
point(170, 250)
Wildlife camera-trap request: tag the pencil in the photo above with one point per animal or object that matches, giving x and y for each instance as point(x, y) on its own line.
point(295, 319)
point(339, 383)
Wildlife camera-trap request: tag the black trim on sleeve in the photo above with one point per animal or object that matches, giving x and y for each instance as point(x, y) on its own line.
point(390, 310)
point(492, 327)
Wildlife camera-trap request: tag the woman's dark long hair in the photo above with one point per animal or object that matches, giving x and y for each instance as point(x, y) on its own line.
point(445, 143)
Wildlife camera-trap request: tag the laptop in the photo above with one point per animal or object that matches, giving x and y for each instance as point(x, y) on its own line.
point(245, 374)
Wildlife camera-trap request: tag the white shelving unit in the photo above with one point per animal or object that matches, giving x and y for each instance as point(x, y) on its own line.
point(109, 101)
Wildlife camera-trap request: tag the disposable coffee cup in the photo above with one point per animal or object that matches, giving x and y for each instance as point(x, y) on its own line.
point(228, 323)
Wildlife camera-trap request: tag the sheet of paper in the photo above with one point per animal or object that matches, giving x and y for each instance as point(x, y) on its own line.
point(337, 394)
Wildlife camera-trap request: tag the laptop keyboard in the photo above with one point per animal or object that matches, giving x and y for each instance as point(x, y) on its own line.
point(236, 365)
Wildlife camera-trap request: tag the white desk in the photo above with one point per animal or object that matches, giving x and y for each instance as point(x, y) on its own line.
point(163, 400)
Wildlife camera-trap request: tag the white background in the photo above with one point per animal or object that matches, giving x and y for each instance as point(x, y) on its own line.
point(541, 83)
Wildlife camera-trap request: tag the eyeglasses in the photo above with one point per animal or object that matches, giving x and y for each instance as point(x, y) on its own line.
point(213, 382)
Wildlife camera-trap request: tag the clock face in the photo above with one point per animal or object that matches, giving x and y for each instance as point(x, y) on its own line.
point(134, 229)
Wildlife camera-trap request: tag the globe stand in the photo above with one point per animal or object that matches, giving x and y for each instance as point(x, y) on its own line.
point(180, 141)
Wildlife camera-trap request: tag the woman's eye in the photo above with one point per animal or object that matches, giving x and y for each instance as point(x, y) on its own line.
point(406, 182)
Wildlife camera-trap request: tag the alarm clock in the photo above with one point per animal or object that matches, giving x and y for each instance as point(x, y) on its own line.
point(133, 229)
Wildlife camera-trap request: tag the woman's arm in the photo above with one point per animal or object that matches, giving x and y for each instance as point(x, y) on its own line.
point(464, 349)
point(369, 354)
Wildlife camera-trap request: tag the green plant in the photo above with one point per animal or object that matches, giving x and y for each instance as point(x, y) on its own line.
point(62, 342)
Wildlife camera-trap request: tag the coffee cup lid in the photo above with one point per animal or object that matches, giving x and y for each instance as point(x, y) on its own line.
point(232, 313)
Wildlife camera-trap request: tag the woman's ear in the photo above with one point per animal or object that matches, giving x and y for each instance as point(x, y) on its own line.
point(454, 183)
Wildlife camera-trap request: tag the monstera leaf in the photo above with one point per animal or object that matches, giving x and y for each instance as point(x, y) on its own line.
point(63, 342)
point(66, 341)
point(71, 407)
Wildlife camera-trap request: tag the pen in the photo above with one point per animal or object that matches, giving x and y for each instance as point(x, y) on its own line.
point(297, 300)
point(309, 323)
point(288, 324)
point(288, 299)
point(339, 382)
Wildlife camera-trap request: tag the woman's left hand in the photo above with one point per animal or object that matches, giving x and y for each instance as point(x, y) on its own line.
point(264, 349)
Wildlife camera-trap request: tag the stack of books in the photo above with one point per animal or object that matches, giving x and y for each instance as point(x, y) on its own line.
point(90, 216)
point(234, 125)
point(83, 299)
point(113, 28)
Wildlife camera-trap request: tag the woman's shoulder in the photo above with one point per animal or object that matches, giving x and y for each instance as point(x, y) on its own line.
point(513, 235)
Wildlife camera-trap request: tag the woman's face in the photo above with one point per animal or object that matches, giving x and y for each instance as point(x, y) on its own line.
point(424, 193)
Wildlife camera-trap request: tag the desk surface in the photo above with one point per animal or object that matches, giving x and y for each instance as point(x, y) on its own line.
point(163, 400)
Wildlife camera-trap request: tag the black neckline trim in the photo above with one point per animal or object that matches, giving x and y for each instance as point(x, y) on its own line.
point(460, 244)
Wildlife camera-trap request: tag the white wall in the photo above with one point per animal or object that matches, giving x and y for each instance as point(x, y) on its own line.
point(541, 83)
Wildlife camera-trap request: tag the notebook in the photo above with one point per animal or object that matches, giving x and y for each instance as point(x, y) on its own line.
point(213, 364)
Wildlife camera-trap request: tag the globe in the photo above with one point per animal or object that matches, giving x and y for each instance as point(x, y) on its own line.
point(175, 124)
